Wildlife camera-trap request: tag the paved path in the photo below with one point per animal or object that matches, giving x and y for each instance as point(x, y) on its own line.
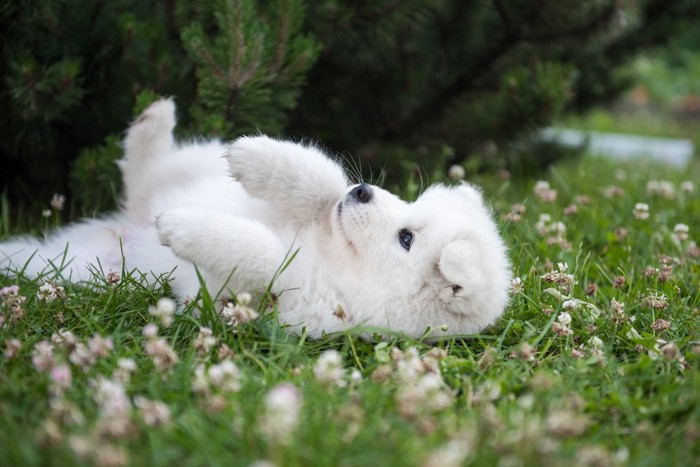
point(676, 152)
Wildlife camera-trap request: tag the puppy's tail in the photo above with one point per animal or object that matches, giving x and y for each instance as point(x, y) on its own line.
point(72, 254)
point(17, 255)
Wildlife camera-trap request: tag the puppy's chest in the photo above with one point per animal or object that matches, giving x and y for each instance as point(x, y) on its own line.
point(310, 287)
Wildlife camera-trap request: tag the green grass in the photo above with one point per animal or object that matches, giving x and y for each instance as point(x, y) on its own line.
point(519, 394)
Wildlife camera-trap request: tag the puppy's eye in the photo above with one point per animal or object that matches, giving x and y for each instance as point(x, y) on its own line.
point(406, 239)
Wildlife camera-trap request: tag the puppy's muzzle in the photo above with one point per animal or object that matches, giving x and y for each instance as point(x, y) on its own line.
point(362, 193)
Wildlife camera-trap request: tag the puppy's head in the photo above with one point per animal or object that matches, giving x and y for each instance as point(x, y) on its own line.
point(438, 262)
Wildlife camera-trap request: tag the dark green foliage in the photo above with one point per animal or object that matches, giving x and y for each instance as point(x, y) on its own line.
point(464, 73)
point(73, 71)
point(249, 73)
point(382, 78)
point(98, 166)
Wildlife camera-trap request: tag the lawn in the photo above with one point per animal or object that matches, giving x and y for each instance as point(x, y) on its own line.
point(595, 362)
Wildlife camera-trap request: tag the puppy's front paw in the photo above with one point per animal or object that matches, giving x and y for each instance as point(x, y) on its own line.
point(251, 160)
point(173, 227)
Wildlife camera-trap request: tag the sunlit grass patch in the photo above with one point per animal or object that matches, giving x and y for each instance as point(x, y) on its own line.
point(595, 362)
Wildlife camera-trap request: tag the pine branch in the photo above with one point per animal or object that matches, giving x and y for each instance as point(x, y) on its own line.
point(504, 15)
point(382, 12)
point(604, 17)
point(511, 37)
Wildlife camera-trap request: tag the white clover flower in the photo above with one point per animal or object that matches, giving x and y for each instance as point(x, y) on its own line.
point(66, 412)
point(64, 339)
point(561, 329)
point(524, 352)
point(61, 377)
point(660, 325)
point(82, 357)
point(564, 318)
point(355, 376)
point(50, 292)
point(566, 424)
point(516, 285)
point(652, 187)
point(613, 191)
point(10, 290)
point(280, 417)
point(164, 310)
point(558, 228)
point(409, 366)
point(12, 302)
point(42, 356)
point(238, 313)
point(559, 277)
point(662, 188)
point(451, 454)
point(204, 341)
point(456, 172)
point(163, 355)
point(110, 396)
point(329, 369)
point(569, 305)
point(544, 192)
point(115, 407)
point(113, 278)
point(680, 232)
point(687, 187)
point(656, 300)
point(540, 185)
point(200, 383)
point(671, 351)
point(617, 307)
point(542, 224)
point(595, 342)
point(100, 346)
point(13, 346)
point(58, 201)
point(153, 413)
point(570, 210)
point(125, 368)
point(126, 364)
point(81, 446)
point(641, 211)
point(428, 394)
point(666, 189)
point(244, 298)
point(150, 330)
point(225, 376)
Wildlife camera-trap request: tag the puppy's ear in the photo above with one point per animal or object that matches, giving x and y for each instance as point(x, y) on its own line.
point(470, 192)
point(459, 265)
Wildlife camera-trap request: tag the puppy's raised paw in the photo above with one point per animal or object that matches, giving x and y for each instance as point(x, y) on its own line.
point(252, 158)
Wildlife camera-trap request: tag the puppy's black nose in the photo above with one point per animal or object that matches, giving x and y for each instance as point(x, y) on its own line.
point(362, 193)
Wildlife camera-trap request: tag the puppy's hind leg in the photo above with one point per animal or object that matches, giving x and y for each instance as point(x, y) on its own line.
point(148, 138)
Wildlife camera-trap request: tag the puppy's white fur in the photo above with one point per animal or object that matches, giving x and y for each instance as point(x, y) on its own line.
point(181, 207)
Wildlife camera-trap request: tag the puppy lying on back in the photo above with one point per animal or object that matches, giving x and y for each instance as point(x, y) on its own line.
point(364, 257)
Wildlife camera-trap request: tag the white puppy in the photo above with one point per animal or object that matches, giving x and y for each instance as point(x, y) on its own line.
point(363, 256)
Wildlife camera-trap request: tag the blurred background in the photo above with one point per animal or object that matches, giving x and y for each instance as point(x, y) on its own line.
point(400, 88)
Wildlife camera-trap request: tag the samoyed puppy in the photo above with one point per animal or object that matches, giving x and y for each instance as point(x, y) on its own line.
point(279, 219)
